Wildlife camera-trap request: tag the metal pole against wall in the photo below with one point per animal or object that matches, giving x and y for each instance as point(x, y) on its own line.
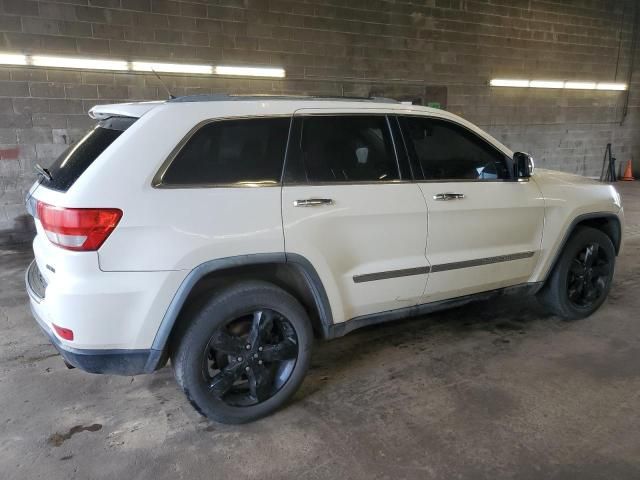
point(634, 41)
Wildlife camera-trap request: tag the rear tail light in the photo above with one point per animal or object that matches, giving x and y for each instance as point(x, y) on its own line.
point(82, 229)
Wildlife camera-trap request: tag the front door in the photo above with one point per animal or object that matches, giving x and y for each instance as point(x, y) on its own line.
point(347, 209)
point(485, 227)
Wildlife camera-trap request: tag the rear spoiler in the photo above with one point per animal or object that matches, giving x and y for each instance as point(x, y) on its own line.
point(136, 110)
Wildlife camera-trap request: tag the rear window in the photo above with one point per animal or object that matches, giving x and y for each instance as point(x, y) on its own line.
point(231, 152)
point(77, 158)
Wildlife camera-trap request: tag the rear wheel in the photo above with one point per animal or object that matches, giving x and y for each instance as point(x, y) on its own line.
point(581, 279)
point(244, 352)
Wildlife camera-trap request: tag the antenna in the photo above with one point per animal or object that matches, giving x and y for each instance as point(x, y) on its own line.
point(171, 95)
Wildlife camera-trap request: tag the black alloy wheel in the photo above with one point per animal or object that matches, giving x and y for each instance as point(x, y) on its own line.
point(242, 352)
point(249, 359)
point(581, 278)
point(589, 275)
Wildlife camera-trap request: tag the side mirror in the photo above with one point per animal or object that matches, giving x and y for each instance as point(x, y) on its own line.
point(522, 165)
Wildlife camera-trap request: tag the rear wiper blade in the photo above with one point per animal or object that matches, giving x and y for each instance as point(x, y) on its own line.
point(43, 171)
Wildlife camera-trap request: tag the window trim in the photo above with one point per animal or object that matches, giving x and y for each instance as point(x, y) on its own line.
point(393, 145)
point(412, 163)
point(390, 132)
point(508, 160)
point(158, 179)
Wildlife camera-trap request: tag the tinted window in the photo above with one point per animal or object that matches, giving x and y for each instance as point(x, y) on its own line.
point(447, 151)
point(347, 149)
point(77, 158)
point(232, 151)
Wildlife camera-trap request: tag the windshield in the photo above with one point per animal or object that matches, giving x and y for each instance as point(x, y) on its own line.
point(77, 158)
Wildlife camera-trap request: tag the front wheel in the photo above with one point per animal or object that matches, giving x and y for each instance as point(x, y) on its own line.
point(244, 353)
point(581, 279)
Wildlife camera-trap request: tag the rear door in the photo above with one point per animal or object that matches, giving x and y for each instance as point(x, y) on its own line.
point(350, 208)
point(485, 227)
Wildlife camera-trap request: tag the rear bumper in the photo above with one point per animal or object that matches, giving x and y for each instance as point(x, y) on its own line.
point(115, 362)
point(93, 360)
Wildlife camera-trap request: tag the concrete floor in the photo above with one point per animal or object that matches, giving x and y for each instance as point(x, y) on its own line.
point(492, 390)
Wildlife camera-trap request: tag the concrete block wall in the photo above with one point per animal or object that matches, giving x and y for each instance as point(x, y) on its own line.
point(400, 48)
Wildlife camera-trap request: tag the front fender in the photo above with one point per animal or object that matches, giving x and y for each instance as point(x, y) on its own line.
point(569, 201)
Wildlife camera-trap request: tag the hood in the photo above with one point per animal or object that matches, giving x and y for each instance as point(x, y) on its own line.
point(557, 177)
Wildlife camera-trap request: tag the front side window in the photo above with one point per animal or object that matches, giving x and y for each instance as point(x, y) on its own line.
point(446, 151)
point(347, 149)
point(243, 151)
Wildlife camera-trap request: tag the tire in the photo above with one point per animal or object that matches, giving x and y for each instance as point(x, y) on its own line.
point(226, 378)
point(566, 291)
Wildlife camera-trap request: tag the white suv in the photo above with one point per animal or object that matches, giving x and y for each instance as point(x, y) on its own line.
point(226, 232)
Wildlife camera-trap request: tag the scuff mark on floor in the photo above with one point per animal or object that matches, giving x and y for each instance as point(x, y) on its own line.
point(58, 439)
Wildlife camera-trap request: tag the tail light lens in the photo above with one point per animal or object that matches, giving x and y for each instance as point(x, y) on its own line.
point(81, 229)
point(65, 333)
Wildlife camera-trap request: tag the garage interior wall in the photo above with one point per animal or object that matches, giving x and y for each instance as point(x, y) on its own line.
point(436, 50)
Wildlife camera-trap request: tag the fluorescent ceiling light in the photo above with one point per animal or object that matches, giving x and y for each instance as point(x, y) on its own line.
point(545, 84)
point(136, 66)
point(500, 82)
point(611, 86)
point(80, 63)
point(580, 85)
point(503, 82)
point(250, 71)
point(10, 59)
point(171, 68)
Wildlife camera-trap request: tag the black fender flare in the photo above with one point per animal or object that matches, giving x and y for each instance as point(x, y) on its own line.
point(300, 263)
point(570, 229)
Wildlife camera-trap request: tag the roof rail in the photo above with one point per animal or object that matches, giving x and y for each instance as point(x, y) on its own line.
point(223, 97)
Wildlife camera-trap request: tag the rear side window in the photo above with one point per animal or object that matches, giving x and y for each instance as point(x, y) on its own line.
point(232, 152)
point(447, 151)
point(347, 149)
point(77, 158)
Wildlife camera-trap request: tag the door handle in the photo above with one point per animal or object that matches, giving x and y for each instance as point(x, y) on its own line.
point(448, 196)
point(312, 202)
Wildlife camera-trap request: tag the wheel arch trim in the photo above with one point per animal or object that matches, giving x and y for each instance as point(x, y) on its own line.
point(309, 274)
point(571, 228)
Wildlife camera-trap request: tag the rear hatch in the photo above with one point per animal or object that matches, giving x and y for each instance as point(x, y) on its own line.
point(63, 232)
point(112, 121)
point(73, 162)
